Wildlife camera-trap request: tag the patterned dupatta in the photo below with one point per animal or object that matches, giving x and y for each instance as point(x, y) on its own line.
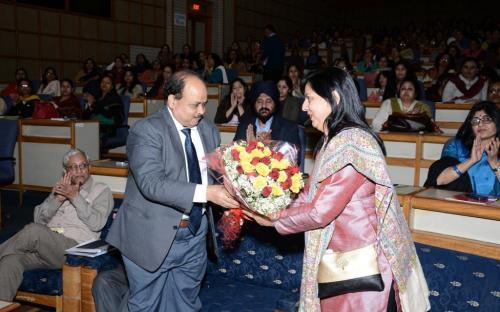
point(359, 149)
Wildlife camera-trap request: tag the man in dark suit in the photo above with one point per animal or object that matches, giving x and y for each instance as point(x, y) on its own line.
point(273, 55)
point(162, 224)
point(266, 123)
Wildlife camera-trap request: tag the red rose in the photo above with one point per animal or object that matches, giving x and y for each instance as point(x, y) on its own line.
point(235, 154)
point(239, 169)
point(251, 146)
point(295, 170)
point(278, 156)
point(286, 185)
point(274, 174)
point(266, 160)
point(266, 191)
point(255, 161)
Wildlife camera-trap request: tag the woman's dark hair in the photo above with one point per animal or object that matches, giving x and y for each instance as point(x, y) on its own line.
point(465, 133)
point(159, 81)
point(451, 60)
point(296, 66)
point(348, 112)
point(415, 84)
point(94, 64)
point(469, 59)
point(217, 60)
point(243, 83)
point(228, 58)
point(135, 80)
point(391, 90)
point(288, 82)
point(384, 73)
point(109, 75)
point(69, 81)
point(23, 70)
point(44, 77)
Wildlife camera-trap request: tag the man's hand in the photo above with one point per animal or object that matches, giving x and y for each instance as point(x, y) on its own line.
point(218, 195)
point(64, 189)
point(264, 136)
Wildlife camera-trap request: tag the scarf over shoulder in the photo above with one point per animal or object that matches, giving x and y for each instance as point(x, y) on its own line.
point(359, 149)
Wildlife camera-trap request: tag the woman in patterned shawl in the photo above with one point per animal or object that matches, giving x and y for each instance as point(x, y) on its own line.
point(349, 202)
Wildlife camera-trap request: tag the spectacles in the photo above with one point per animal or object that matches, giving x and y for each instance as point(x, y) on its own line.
point(75, 167)
point(485, 120)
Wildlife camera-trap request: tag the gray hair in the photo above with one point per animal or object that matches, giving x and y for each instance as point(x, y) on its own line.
point(72, 152)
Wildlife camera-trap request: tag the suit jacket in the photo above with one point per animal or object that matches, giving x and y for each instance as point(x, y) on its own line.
point(281, 129)
point(158, 192)
point(273, 50)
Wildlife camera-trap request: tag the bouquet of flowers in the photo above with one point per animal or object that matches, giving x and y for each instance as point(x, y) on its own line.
point(263, 177)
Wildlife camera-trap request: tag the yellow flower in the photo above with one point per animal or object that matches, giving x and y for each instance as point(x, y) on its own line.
point(259, 183)
point(256, 153)
point(275, 164)
point(262, 169)
point(296, 178)
point(267, 152)
point(282, 177)
point(247, 166)
point(245, 157)
point(277, 191)
point(295, 188)
point(239, 148)
point(284, 163)
point(260, 144)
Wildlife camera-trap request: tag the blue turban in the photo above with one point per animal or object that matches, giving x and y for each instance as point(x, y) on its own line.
point(267, 87)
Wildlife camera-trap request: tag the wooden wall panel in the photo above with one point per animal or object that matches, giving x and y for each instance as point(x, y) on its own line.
point(148, 35)
point(135, 12)
point(106, 30)
point(31, 66)
point(27, 19)
point(106, 52)
point(50, 48)
point(148, 15)
point(28, 45)
point(49, 23)
point(121, 31)
point(70, 25)
point(71, 49)
point(88, 28)
point(7, 16)
point(8, 46)
point(121, 10)
point(8, 69)
point(88, 49)
point(135, 32)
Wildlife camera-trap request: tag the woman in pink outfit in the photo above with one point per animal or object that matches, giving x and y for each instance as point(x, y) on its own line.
point(348, 203)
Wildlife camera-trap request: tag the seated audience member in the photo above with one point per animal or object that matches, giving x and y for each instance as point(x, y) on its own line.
point(234, 62)
point(3, 107)
point(75, 211)
point(233, 106)
point(165, 55)
point(380, 83)
point(384, 64)
point(265, 123)
point(90, 71)
point(475, 51)
point(313, 61)
point(106, 106)
point(67, 105)
point(442, 71)
point(50, 85)
point(130, 85)
point(218, 72)
point(469, 162)
point(295, 58)
point(25, 104)
point(400, 72)
point(149, 76)
point(290, 107)
point(117, 69)
point(494, 93)
point(159, 85)
point(367, 64)
point(467, 86)
point(141, 63)
point(295, 75)
point(405, 103)
point(11, 89)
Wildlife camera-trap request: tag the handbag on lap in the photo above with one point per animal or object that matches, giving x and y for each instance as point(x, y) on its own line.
point(398, 122)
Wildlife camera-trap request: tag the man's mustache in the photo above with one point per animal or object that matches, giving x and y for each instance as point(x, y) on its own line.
point(264, 109)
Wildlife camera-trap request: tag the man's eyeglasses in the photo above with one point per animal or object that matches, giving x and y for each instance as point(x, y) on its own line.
point(75, 167)
point(485, 120)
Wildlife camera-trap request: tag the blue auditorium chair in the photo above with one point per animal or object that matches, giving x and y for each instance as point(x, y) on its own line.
point(7, 160)
point(363, 91)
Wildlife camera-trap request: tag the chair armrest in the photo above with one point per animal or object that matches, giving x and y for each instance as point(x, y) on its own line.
point(104, 262)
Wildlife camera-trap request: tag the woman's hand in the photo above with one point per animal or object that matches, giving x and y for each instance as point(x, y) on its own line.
point(234, 100)
point(260, 219)
point(477, 151)
point(492, 152)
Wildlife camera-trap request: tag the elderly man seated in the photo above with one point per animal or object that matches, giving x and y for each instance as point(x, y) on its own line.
point(75, 211)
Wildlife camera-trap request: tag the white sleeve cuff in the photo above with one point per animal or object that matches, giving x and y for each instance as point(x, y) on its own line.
point(200, 194)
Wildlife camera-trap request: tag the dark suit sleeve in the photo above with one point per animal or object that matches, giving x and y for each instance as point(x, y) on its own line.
point(145, 152)
point(241, 131)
